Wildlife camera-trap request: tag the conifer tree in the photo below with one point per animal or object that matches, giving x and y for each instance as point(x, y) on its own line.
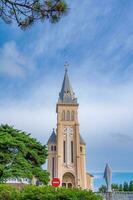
point(125, 186)
point(26, 12)
point(131, 186)
point(21, 156)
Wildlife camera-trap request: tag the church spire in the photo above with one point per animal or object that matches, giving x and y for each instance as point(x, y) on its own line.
point(66, 95)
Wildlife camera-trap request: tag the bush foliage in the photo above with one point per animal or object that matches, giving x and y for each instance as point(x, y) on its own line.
point(45, 193)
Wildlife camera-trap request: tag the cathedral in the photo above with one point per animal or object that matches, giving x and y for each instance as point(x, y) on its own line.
point(66, 147)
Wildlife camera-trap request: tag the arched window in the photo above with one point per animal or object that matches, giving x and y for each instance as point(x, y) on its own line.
point(72, 115)
point(63, 115)
point(68, 116)
point(53, 166)
point(52, 148)
point(71, 151)
point(64, 151)
point(69, 185)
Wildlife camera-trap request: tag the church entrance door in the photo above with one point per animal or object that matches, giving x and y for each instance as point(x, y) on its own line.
point(68, 180)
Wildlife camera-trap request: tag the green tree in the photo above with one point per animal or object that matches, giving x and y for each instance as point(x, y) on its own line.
point(21, 156)
point(120, 187)
point(115, 187)
point(103, 189)
point(131, 186)
point(125, 186)
point(26, 12)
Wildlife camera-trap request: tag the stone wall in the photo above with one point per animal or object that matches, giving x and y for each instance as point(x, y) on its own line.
point(117, 196)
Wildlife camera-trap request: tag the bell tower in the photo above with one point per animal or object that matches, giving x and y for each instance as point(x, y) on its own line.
point(68, 162)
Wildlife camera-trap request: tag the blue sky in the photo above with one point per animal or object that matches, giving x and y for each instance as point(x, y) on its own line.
point(96, 38)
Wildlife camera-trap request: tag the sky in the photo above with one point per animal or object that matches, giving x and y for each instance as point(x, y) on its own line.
point(96, 38)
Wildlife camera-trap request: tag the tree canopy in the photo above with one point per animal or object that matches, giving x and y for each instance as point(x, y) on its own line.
point(21, 156)
point(26, 12)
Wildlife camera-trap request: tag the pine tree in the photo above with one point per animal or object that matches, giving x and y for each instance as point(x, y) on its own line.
point(131, 186)
point(125, 186)
point(25, 13)
point(120, 187)
point(21, 156)
point(103, 189)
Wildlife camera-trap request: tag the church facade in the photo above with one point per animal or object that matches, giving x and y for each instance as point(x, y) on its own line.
point(66, 147)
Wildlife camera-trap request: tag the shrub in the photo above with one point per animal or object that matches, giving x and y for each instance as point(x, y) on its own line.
point(31, 192)
point(8, 193)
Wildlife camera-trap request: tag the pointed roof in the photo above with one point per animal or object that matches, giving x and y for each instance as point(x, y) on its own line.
point(82, 140)
point(52, 138)
point(67, 95)
point(89, 174)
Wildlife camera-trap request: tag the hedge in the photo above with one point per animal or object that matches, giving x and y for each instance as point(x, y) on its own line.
point(30, 192)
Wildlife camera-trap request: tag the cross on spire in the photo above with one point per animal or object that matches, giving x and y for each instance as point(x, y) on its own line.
point(66, 95)
point(66, 65)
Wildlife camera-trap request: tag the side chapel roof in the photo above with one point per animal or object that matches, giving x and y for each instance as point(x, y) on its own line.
point(52, 138)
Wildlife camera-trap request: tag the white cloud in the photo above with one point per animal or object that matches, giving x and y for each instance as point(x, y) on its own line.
point(11, 60)
point(72, 29)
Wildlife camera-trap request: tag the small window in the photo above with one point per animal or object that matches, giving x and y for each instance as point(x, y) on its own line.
point(81, 149)
point(63, 184)
point(64, 151)
point(52, 148)
point(72, 116)
point(68, 116)
point(69, 185)
point(53, 166)
point(63, 115)
point(72, 151)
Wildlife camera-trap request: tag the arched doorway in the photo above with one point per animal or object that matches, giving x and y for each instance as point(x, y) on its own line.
point(68, 180)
